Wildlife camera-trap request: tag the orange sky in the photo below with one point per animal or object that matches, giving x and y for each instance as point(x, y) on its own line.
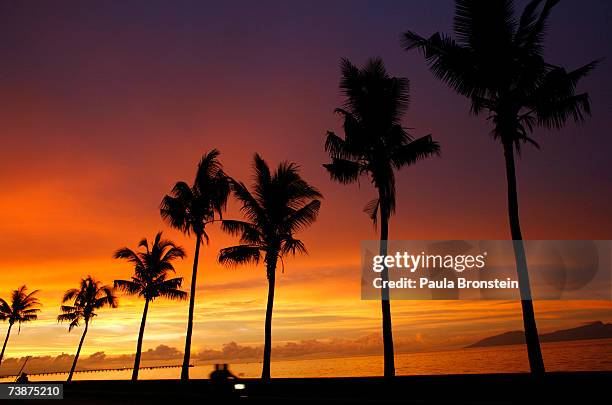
point(97, 127)
point(64, 229)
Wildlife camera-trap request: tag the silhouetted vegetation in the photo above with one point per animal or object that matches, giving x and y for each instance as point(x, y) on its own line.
point(280, 204)
point(375, 144)
point(495, 59)
point(23, 307)
point(190, 209)
point(497, 62)
point(152, 265)
point(86, 300)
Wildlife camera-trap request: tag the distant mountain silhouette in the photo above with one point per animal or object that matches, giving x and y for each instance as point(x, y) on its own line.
point(595, 330)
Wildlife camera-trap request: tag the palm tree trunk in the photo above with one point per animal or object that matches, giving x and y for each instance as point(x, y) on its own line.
point(8, 333)
point(536, 362)
point(271, 270)
point(389, 359)
point(139, 345)
point(185, 369)
point(76, 357)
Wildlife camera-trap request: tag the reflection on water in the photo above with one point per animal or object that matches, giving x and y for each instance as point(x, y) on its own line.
point(561, 356)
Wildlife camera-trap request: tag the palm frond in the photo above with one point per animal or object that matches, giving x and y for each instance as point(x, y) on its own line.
point(261, 177)
point(28, 318)
point(527, 23)
point(354, 132)
point(343, 171)
point(555, 113)
point(171, 283)
point(175, 211)
point(23, 306)
point(293, 246)
point(67, 317)
point(450, 62)
point(336, 146)
point(282, 203)
point(250, 206)
point(209, 168)
point(173, 294)
point(175, 252)
point(70, 294)
point(371, 209)
point(5, 309)
point(303, 217)
point(127, 286)
point(248, 233)
point(69, 309)
point(533, 38)
point(498, 62)
point(90, 296)
point(419, 149)
point(150, 279)
point(129, 255)
point(484, 25)
point(238, 255)
point(144, 242)
point(290, 184)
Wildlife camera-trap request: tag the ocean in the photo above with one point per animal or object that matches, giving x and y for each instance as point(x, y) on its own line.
point(585, 355)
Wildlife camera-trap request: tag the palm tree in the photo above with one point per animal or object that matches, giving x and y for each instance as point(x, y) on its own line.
point(497, 62)
point(89, 297)
point(150, 280)
point(190, 209)
point(281, 204)
point(376, 144)
point(23, 308)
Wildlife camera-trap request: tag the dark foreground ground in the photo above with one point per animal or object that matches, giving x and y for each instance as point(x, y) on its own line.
point(554, 388)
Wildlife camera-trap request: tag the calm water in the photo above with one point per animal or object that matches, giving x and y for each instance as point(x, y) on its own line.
point(562, 356)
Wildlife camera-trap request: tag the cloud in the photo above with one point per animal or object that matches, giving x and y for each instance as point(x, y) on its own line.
point(63, 362)
point(162, 352)
point(368, 344)
point(230, 352)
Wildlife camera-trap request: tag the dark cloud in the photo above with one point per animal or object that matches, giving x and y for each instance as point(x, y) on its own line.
point(63, 362)
point(231, 352)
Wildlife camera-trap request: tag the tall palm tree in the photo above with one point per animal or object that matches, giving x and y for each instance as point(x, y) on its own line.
point(376, 144)
point(190, 209)
point(281, 204)
point(23, 308)
point(152, 266)
point(87, 299)
point(497, 62)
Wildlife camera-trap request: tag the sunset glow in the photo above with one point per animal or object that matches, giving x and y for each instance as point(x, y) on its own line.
point(106, 105)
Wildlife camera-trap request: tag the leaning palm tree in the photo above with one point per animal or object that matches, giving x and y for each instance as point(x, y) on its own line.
point(152, 266)
point(190, 209)
point(23, 308)
point(497, 62)
point(281, 204)
point(376, 144)
point(86, 300)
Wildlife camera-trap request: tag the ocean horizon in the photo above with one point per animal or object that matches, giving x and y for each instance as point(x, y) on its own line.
point(582, 355)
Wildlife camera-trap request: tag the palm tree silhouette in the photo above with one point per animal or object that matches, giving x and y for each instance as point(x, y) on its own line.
point(376, 144)
point(89, 297)
point(150, 280)
point(23, 308)
point(497, 62)
point(190, 209)
point(281, 204)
